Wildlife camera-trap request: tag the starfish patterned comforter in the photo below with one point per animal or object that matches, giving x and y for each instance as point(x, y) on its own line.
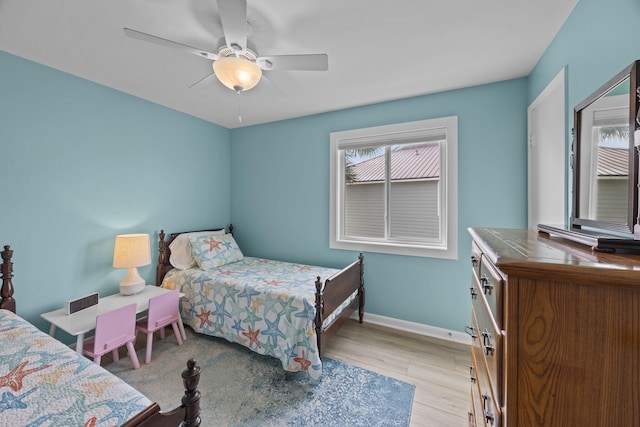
point(265, 305)
point(45, 383)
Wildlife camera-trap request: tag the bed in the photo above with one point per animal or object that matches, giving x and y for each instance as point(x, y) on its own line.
point(45, 383)
point(285, 310)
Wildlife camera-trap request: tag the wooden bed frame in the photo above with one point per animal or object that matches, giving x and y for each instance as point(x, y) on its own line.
point(187, 414)
point(330, 294)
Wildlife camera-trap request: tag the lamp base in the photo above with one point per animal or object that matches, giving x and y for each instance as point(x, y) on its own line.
point(132, 289)
point(133, 283)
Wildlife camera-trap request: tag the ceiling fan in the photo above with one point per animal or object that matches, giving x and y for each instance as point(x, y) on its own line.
point(237, 66)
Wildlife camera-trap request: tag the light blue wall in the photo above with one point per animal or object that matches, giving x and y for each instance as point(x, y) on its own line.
point(598, 40)
point(595, 43)
point(280, 194)
point(81, 163)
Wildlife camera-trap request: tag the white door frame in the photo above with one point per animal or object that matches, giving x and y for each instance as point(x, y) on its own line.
point(554, 88)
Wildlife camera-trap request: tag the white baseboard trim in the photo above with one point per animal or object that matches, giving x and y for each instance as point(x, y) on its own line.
point(417, 328)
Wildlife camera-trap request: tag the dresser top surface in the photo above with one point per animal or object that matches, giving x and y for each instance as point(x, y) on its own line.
point(527, 249)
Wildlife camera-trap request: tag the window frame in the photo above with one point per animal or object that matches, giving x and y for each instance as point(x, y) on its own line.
point(403, 133)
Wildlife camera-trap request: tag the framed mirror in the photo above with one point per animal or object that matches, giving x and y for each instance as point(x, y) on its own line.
point(605, 166)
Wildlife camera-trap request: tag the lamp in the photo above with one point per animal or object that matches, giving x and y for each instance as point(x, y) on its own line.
point(131, 251)
point(237, 73)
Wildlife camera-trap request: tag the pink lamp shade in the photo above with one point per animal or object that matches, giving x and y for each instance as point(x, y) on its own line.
point(132, 251)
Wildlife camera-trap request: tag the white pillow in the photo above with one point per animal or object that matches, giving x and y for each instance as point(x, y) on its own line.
point(181, 255)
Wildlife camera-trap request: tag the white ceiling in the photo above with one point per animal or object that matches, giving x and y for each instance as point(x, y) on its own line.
point(378, 50)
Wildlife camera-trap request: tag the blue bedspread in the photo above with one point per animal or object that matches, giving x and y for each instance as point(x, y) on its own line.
point(45, 383)
point(265, 305)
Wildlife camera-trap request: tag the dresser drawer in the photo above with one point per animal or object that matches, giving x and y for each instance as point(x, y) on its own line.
point(492, 287)
point(491, 412)
point(487, 347)
point(486, 410)
point(488, 384)
point(476, 416)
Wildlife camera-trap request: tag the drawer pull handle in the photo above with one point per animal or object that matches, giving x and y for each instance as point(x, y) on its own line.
point(474, 261)
point(487, 287)
point(471, 417)
point(490, 417)
point(486, 343)
point(472, 375)
point(488, 350)
point(473, 292)
point(471, 331)
point(486, 405)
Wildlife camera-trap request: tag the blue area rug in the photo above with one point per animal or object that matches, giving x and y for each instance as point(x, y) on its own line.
point(241, 388)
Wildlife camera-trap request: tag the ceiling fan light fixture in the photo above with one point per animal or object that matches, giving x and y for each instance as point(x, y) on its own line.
point(237, 73)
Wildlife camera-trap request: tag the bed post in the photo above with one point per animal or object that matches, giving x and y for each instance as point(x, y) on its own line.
point(6, 292)
point(191, 398)
point(161, 270)
point(319, 320)
point(361, 290)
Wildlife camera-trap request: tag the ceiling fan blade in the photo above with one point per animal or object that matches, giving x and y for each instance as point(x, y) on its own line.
point(312, 62)
point(168, 43)
point(233, 14)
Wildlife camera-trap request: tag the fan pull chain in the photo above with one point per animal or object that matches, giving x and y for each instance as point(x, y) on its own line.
point(238, 99)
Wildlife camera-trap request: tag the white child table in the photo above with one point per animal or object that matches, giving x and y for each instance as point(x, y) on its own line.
point(78, 324)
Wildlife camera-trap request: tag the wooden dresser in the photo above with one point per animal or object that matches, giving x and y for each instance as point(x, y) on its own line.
point(556, 332)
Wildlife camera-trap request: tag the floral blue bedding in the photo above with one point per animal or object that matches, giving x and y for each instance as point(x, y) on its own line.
point(265, 305)
point(45, 383)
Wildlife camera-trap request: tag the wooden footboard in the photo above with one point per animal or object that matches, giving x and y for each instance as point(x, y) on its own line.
point(186, 415)
point(331, 294)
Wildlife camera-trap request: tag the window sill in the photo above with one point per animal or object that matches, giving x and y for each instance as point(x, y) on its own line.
point(396, 249)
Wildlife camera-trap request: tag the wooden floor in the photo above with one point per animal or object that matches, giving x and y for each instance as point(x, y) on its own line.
point(439, 369)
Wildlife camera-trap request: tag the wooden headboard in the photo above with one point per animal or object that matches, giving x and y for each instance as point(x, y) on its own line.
point(6, 292)
point(164, 265)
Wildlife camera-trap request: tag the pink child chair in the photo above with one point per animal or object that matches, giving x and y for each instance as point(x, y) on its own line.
point(113, 330)
point(163, 311)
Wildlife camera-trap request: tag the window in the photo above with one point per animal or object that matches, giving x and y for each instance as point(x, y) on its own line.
point(394, 189)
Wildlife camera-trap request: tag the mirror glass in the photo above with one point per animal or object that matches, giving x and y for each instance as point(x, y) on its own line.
point(605, 160)
point(604, 157)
